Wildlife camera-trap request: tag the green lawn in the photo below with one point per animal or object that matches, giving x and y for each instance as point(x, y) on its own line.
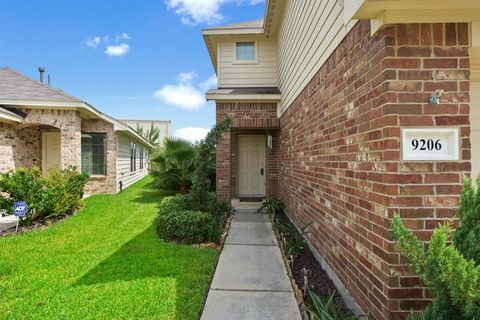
point(106, 262)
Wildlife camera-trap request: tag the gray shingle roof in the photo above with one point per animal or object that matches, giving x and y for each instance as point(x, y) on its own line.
point(16, 86)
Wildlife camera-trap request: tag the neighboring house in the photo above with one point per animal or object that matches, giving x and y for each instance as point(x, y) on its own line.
point(45, 127)
point(164, 127)
point(331, 113)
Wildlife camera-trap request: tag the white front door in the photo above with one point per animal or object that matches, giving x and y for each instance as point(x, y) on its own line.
point(50, 150)
point(251, 165)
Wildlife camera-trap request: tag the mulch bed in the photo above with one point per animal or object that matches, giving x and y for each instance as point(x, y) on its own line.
point(36, 225)
point(318, 279)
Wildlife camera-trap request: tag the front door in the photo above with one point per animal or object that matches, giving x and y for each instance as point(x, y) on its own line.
point(251, 166)
point(50, 150)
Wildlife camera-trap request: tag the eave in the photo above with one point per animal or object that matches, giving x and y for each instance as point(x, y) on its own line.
point(382, 12)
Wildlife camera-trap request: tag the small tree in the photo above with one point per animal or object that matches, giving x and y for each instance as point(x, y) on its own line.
point(203, 177)
point(151, 135)
point(451, 272)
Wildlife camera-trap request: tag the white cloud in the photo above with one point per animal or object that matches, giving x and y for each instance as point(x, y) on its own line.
point(117, 50)
point(93, 42)
point(191, 133)
point(186, 77)
point(123, 36)
point(111, 49)
point(193, 12)
point(210, 83)
point(185, 94)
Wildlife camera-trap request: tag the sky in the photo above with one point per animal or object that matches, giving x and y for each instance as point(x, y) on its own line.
point(131, 59)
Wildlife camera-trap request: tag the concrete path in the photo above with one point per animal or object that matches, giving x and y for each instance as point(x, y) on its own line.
point(7, 222)
point(251, 281)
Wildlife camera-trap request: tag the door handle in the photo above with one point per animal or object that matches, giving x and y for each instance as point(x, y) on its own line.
point(261, 171)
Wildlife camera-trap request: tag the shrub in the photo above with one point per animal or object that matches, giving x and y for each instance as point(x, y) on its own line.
point(467, 236)
point(185, 226)
point(53, 194)
point(180, 220)
point(453, 279)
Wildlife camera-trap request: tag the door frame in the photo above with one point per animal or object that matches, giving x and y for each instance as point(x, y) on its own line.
point(44, 147)
point(237, 171)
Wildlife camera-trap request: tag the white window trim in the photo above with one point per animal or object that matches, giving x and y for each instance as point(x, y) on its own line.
point(255, 61)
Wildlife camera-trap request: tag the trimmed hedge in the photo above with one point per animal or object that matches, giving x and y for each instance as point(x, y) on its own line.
point(179, 221)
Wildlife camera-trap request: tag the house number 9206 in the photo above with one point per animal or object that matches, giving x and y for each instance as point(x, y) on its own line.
point(426, 144)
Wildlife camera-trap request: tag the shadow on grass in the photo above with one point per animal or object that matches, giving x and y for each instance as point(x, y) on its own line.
point(145, 256)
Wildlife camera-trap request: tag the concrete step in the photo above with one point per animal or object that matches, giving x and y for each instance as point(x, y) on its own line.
point(240, 205)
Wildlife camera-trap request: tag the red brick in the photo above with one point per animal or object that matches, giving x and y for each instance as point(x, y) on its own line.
point(440, 63)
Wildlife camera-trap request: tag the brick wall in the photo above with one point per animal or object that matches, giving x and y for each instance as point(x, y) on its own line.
point(107, 183)
point(247, 118)
point(19, 148)
point(340, 154)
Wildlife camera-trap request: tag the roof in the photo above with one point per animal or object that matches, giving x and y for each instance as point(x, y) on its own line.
point(16, 86)
point(253, 25)
point(245, 94)
point(17, 90)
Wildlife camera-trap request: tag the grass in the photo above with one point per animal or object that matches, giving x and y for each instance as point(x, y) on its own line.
point(106, 262)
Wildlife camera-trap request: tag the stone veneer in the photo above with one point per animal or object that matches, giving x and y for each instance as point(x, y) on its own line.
point(108, 182)
point(20, 144)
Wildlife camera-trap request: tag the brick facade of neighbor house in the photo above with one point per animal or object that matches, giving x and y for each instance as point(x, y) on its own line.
point(247, 118)
point(108, 182)
point(21, 144)
point(19, 148)
point(68, 122)
point(341, 159)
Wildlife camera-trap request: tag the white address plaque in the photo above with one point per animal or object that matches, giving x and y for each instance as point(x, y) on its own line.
point(430, 144)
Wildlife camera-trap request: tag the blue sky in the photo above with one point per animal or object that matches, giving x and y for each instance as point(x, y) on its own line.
point(130, 59)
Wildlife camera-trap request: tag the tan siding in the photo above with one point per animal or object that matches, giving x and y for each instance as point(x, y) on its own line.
point(310, 32)
point(261, 74)
point(123, 163)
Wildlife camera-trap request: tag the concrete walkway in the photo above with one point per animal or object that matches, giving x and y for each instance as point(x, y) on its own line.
point(251, 281)
point(7, 222)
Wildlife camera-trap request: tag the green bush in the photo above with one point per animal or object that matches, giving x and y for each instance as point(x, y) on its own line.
point(180, 220)
point(48, 195)
point(326, 309)
point(451, 272)
point(185, 226)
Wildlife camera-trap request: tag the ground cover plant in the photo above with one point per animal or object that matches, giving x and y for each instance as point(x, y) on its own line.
point(49, 195)
point(105, 262)
point(450, 270)
point(321, 298)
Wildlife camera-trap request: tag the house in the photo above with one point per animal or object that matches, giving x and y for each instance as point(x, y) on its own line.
point(350, 111)
point(45, 127)
point(164, 127)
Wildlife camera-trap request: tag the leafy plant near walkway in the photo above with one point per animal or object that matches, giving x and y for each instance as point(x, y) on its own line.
point(48, 195)
point(326, 309)
point(178, 222)
point(450, 271)
point(203, 178)
point(273, 206)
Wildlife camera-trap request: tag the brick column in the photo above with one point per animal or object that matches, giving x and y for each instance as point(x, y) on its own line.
point(223, 183)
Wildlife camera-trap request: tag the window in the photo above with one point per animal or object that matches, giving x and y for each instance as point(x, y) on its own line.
point(133, 156)
point(245, 52)
point(141, 158)
point(94, 153)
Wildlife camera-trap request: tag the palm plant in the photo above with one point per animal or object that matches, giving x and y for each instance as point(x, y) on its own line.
point(151, 135)
point(175, 164)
